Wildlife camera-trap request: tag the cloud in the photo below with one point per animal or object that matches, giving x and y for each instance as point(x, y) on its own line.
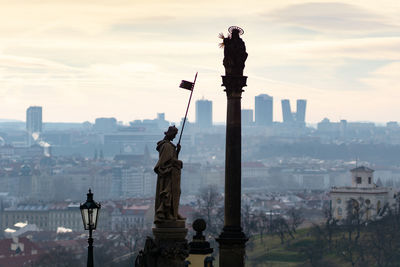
point(387, 78)
point(333, 16)
point(125, 58)
point(331, 50)
point(152, 22)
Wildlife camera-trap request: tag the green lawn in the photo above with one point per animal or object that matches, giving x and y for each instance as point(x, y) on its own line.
point(270, 252)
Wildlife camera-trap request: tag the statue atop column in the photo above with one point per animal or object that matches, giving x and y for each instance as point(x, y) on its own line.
point(232, 240)
point(168, 169)
point(234, 51)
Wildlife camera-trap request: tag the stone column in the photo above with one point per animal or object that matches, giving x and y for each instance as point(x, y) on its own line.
point(232, 239)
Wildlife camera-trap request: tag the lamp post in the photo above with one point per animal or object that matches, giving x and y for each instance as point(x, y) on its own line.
point(90, 212)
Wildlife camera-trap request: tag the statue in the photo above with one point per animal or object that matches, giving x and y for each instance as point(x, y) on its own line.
point(234, 52)
point(168, 169)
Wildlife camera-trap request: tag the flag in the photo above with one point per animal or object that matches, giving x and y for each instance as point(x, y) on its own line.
point(186, 85)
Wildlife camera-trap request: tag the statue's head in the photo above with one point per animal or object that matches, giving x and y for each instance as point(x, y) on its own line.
point(171, 132)
point(235, 31)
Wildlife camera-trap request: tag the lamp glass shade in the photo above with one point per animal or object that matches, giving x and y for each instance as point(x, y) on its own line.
point(90, 212)
point(93, 220)
point(85, 218)
point(89, 218)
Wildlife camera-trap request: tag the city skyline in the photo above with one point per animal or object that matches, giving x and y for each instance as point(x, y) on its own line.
point(293, 115)
point(81, 61)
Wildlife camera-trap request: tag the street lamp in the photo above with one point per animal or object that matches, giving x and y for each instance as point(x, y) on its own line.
point(90, 212)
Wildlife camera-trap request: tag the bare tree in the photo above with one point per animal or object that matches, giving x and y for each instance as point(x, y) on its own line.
point(60, 257)
point(330, 224)
point(280, 227)
point(383, 239)
point(313, 249)
point(133, 239)
point(296, 218)
point(209, 202)
point(350, 248)
point(262, 224)
point(249, 220)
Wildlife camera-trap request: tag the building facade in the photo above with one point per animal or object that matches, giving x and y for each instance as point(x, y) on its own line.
point(286, 111)
point(363, 193)
point(263, 110)
point(301, 110)
point(34, 119)
point(204, 113)
point(247, 117)
point(33, 123)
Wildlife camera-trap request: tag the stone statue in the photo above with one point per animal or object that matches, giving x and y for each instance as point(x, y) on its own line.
point(234, 52)
point(168, 169)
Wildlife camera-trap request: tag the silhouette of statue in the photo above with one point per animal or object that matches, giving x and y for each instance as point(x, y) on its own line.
point(168, 169)
point(234, 52)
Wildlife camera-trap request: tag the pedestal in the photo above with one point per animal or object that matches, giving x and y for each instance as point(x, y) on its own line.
point(170, 239)
point(169, 246)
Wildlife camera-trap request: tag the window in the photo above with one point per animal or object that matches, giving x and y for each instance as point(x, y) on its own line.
point(378, 206)
point(356, 206)
point(339, 211)
point(358, 180)
point(369, 180)
point(339, 201)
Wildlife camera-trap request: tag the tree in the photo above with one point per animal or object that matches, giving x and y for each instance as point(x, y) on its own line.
point(330, 224)
point(249, 220)
point(262, 224)
point(383, 239)
point(133, 239)
point(350, 248)
point(280, 227)
point(250, 223)
point(296, 218)
point(209, 202)
point(314, 248)
point(60, 257)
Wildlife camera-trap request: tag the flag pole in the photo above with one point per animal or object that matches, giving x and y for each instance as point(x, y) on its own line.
point(187, 109)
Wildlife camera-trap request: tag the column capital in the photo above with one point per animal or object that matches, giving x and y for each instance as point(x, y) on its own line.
point(234, 85)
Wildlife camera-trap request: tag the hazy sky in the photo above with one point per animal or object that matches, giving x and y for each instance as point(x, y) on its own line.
point(86, 59)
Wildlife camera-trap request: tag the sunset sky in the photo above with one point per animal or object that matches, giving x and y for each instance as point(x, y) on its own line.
point(125, 59)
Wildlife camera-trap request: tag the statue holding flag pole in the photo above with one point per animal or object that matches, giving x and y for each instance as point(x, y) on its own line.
point(168, 169)
point(169, 246)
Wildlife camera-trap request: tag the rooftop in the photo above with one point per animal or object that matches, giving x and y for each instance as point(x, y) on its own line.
point(350, 189)
point(362, 169)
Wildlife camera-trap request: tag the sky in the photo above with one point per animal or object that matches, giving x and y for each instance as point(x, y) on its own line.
point(116, 58)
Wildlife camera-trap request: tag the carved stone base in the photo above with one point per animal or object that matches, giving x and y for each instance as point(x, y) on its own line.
point(168, 248)
point(232, 245)
point(170, 238)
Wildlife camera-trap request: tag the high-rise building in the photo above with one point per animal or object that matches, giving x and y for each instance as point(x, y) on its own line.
point(34, 120)
point(247, 117)
point(286, 111)
point(105, 125)
point(301, 110)
point(204, 113)
point(263, 110)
